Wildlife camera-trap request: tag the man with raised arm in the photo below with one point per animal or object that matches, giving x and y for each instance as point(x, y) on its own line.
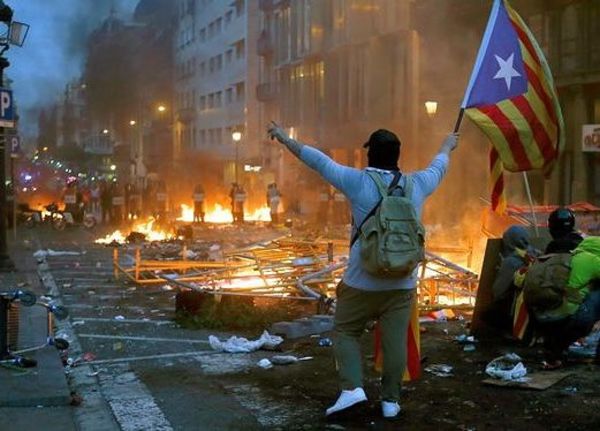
point(361, 295)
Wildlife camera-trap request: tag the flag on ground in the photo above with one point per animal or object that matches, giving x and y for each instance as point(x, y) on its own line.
point(512, 98)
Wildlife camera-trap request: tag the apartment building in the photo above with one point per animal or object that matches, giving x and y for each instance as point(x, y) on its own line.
point(215, 81)
point(332, 71)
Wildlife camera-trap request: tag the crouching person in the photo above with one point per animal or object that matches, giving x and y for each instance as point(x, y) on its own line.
point(516, 253)
point(378, 283)
point(562, 291)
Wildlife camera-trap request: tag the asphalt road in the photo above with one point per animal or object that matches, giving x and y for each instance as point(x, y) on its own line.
point(152, 374)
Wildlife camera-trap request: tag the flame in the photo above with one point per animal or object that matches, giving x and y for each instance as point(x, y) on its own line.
point(146, 228)
point(220, 214)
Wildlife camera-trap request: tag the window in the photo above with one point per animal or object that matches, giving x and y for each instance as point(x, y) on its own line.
point(228, 17)
point(239, 7)
point(219, 25)
point(228, 56)
point(219, 62)
point(240, 47)
point(202, 103)
point(218, 99)
point(211, 101)
point(229, 95)
point(202, 138)
point(203, 35)
point(202, 68)
point(211, 64)
point(211, 29)
point(240, 89)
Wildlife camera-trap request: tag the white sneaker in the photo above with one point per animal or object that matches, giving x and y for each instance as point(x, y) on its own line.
point(347, 399)
point(390, 409)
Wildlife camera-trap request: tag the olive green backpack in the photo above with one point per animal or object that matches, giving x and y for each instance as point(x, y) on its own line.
point(546, 282)
point(392, 239)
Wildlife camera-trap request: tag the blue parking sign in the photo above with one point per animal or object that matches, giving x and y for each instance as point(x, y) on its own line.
point(7, 111)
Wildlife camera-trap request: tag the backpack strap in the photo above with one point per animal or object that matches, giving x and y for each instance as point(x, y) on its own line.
point(383, 191)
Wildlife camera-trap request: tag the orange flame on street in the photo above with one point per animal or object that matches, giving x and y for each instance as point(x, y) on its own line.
point(146, 228)
point(219, 214)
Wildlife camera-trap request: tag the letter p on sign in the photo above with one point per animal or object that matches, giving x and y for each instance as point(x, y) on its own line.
point(5, 103)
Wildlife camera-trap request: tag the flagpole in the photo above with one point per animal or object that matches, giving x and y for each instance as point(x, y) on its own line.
point(459, 120)
point(528, 190)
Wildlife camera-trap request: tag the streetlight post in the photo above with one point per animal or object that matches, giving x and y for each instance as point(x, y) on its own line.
point(15, 34)
point(237, 137)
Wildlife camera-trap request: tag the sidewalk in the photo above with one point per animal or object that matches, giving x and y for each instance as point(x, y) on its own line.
point(32, 398)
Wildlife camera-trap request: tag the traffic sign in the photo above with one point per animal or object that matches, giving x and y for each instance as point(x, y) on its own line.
point(7, 111)
point(15, 146)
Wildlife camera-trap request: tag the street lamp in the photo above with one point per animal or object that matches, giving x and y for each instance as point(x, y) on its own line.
point(105, 131)
point(15, 34)
point(132, 122)
point(237, 137)
point(161, 108)
point(431, 108)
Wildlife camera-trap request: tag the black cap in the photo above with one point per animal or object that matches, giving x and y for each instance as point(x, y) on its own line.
point(382, 137)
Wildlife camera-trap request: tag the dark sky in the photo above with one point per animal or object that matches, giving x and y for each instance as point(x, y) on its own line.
point(53, 53)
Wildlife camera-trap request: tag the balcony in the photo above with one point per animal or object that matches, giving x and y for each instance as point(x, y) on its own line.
point(185, 115)
point(264, 45)
point(267, 92)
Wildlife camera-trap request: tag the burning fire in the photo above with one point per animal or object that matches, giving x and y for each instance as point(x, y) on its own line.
point(221, 215)
point(145, 228)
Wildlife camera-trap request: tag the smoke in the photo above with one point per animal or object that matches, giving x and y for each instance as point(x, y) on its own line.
point(54, 51)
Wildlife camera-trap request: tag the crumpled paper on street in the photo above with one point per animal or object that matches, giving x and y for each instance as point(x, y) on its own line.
point(49, 252)
point(507, 367)
point(243, 345)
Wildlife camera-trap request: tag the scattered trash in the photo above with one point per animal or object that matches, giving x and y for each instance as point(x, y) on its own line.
point(243, 345)
point(465, 339)
point(78, 322)
point(40, 254)
point(469, 348)
point(166, 288)
point(325, 342)
point(288, 359)
point(445, 331)
point(440, 370)
point(281, 360)
point(117, 346)
point(265, 363)
point(569, 390)
point(93, 374)
point(507, 367)
point(119, 317)
point(442, 315)
point(66, 285)
point(91, 292)
point(98, 264)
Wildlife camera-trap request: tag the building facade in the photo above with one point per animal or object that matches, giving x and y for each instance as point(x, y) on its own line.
point(331, 72)
point(215, 81)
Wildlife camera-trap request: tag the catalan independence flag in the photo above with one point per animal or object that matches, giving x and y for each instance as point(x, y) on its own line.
point(512, 98)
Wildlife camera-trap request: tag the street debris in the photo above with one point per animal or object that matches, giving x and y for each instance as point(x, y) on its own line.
point(281, 360)
point(265, 363)
point(507, 367)
point(40, 254)
point(325, 342)
point(119, 317)
point(440, 370)
point(243, 345)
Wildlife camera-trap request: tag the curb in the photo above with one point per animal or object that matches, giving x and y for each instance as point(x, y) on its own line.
point(94, 413)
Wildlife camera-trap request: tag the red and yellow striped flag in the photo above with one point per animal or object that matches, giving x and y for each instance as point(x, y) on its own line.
point(512, 98)
point(413, 347)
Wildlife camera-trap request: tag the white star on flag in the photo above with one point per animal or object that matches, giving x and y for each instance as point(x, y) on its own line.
point(506, 71)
